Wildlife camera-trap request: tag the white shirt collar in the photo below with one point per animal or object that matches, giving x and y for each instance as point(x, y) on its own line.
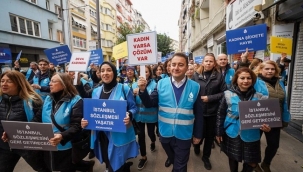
point(178, 84)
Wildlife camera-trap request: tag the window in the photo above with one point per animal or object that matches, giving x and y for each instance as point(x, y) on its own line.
point(58, 11)
point(93, 13)
point(24, 26)
point(32, 1)
point(221, 48)
point(108, 27)
point(50, 33)
point(79, 42)
point(107, 11)
point(59, 36)
point(47, 5)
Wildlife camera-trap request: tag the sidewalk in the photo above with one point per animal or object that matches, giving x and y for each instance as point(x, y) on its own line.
point(288, 159)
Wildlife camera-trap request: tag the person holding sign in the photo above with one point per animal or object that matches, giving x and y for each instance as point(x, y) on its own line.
point(148, 116)
point(180, 114)
point(18, 102)
point(114, 148)
point(268, 84)
point(244, 62)
point(64, 109)
point(239, 145)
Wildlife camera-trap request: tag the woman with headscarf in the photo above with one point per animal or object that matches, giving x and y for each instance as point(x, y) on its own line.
point(18, 102)
point(114, 148)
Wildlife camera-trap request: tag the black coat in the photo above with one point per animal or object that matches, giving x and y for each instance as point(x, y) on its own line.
point(214, 89)
point(12, 109)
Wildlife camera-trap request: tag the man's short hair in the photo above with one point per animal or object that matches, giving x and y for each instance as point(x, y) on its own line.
point(181, 55)
point(43, 60)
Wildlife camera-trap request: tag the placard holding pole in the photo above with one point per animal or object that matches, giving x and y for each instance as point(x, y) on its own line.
point(252, 114)
point(79, 61)
point(29, 135)
point(142, 71)
point(142, 48)
point(76, 78)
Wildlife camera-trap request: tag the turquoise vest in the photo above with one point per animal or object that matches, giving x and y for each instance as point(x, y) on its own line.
point(44, 82)
point(89, 82)
point(146, 115)
point(119, 139)
point(261, 87)
point(62, 116)
point(28, 108)
point(232, 122)
point(229, 76)
point(28, 73)
point(177, 119)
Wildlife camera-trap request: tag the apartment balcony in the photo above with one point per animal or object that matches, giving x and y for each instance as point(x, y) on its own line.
point(212, 26)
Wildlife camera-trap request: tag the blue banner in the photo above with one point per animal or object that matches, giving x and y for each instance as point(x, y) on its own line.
point(254, 38)
point(5, 55)
point(163, 59)
point(96, 57)
point(199, 59)
point(58, 55)
point(105, 115)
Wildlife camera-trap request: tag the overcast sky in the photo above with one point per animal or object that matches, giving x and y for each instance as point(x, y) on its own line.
point(162, 15)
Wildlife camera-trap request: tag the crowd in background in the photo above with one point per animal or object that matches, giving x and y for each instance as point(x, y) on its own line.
point(155, 102)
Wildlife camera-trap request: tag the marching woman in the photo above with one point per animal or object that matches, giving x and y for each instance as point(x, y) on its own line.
point(212, 86)
point(18, 102)
point(157, 72)
point(114, 148)
point(239, 145)
point(63, 108)
point(148, 116)
point(166, 66)
point(268, 84)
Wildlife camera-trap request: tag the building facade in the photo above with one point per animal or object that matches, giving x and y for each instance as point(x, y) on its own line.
point(31, 26)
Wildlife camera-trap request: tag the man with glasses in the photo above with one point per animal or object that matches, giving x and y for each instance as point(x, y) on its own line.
point(41, 80)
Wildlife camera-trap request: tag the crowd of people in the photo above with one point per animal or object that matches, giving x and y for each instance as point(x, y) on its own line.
point(183, 103)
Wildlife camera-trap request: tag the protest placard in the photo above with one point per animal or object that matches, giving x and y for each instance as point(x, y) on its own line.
point(58, 55)
point(252, 114)
point(79, 61)
point(29, 135)
point(105, 115)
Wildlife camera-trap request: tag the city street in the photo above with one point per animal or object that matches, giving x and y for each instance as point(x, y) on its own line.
point(289, 158)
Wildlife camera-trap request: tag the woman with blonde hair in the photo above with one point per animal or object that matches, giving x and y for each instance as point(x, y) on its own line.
point(255, 63)
point(18, 102)
point(212, 85)
point(269, 85)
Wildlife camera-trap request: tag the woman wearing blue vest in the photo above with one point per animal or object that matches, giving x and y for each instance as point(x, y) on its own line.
point(148, 116)
point(64, 109)
point(114, 148)
point(268, 84)
point(18, 102)
point(166, 66)
point(239, 145)
point(212, 86)
point(157, 72)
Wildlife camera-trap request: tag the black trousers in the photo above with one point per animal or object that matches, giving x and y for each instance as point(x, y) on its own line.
point(141, 136)
point(209, 126)
point(9, 159)
point(273, 142)
point(177, 151)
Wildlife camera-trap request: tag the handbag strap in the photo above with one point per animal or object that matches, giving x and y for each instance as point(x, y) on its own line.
point(55, 123)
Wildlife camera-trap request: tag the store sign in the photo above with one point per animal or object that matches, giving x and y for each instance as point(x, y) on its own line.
point(142, 48)
point(5, 55)
point(253, 114)
point(240, 12)
point(58, 55)
point(253, 37)
point(29, 135)
point(280, 45)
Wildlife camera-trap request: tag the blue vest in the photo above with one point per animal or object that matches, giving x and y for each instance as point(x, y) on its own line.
point(261, 87)
point(119, 139)
point(164, 76)
point(62, 116)
point(177, 119)
point(44, 82)
point(28, 73)
point(89, 82)
point(146, 115)
point(229, 76)
point(232, 122)
point(28, 108)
